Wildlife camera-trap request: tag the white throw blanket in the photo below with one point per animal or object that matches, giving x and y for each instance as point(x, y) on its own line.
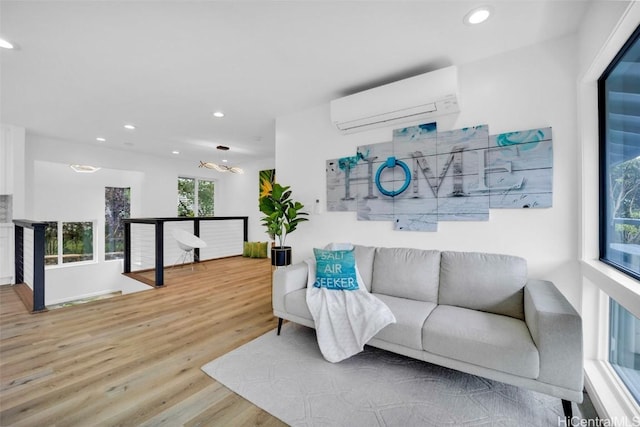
point(345, 320)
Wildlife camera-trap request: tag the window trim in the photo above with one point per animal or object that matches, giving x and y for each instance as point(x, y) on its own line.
point(602, 166)
point(60, 255)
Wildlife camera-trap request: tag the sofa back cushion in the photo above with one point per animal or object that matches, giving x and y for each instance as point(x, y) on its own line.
point(488, 282)
point(364, 263)
point(406, 273)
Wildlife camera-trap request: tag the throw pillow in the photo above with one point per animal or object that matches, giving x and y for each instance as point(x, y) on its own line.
point(247, 249)
point(259, 250)
point(335, 270)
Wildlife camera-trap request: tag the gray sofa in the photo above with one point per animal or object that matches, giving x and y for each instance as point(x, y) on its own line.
point(473, 312)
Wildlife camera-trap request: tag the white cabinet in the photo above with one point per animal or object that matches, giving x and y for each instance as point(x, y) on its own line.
point(12, 165)
point(6, 254)
point(12, 193)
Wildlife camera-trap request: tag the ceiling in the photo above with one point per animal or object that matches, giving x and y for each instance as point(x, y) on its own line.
point(83, 69)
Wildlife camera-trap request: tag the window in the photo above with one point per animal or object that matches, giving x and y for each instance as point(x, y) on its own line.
point(51, 243)
point(117, 206)
point(624, 347)
point(186, 196)
point(68, 242)
point(77, 241)
point(619, 122)
point(205, 198)
point(195, 195)
point(619, 106)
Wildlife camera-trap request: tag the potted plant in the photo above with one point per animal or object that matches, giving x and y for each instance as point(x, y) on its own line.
point(282, 216)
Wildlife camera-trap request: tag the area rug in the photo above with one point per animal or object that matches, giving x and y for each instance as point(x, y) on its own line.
point(287, 376)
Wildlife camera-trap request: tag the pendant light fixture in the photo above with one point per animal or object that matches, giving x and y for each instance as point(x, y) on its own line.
point(221, 166)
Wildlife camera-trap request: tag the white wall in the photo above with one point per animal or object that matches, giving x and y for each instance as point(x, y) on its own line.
point(55, 192)
point(59, 193)
point(238, 195)
point(528, 88)
point(159, 184)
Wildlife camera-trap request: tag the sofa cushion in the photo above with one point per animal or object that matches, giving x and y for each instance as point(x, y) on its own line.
point(484, 339)
point(406, 273)
point(364, 262)
point(487, 282)
point(296, 303)
point(410, 317)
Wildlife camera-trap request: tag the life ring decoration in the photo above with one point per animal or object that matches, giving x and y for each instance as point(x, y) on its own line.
point(391, 163)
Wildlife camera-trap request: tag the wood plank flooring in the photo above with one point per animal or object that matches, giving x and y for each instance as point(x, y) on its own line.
point(134, 360)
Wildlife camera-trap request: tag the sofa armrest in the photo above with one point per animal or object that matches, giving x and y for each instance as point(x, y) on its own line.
point(288, 279)
point(556, 329)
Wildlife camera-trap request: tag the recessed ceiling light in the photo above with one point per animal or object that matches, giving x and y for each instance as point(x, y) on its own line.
point(175, 152)
point(5, 44)
point(477, 15)
point(130, 127)
point(100, 139)
point(224, 160)
point(84, 168)
point(218, 114)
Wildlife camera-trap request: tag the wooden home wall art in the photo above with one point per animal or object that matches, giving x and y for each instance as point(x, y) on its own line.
point(423, 176)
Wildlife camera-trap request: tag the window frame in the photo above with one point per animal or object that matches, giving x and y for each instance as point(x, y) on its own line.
point(60, 244)
point(602, 157)
point(196, 197)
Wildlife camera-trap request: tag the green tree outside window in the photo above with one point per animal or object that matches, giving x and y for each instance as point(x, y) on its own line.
point(195, 196)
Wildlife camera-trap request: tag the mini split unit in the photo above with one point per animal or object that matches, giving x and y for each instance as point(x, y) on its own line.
point(414, 100)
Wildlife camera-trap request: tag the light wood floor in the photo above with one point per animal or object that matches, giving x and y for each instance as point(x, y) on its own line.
point(135, 359)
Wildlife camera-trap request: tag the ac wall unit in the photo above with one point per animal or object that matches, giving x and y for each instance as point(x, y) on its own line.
point(417, 99)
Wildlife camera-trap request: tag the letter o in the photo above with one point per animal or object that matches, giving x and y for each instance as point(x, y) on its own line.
point(391, 163)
